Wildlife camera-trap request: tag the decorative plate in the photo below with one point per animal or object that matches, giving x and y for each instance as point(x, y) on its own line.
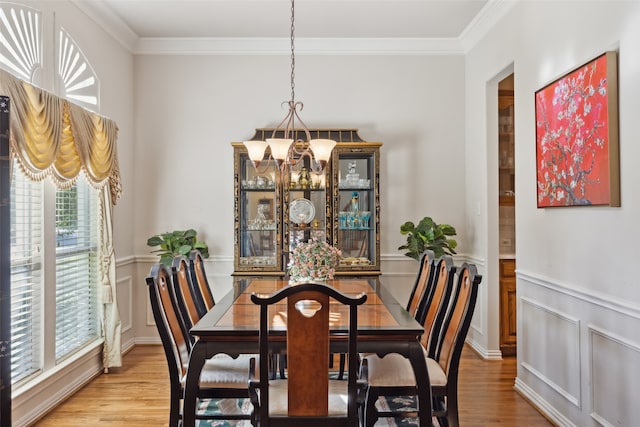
point(301, 211)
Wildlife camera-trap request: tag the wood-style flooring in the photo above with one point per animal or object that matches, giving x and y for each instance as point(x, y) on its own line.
point(137, 394)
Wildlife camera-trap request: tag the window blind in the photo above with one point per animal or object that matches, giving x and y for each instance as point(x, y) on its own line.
point(76, 267)
point(26, 275)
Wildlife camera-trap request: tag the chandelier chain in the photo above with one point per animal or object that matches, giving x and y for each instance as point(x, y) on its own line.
point(293, 56)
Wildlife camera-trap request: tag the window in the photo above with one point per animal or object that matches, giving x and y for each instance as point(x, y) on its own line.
point(49, 223)
point(76, 267)
point(26, 275)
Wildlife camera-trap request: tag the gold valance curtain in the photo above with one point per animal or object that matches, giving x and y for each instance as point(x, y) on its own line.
point(52, 137)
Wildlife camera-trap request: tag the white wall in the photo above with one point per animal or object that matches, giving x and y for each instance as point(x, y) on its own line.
point(190, 108)
point(578, 302)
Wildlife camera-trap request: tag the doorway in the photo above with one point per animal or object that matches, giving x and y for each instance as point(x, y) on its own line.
point(506, 215)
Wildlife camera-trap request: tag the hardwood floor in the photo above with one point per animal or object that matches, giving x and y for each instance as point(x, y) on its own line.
point(137, 394)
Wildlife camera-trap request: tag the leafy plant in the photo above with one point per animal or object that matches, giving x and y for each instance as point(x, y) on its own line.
point(177, 243)
point(428, 235)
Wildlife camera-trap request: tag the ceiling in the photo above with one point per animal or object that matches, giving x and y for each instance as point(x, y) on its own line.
point(229, 19)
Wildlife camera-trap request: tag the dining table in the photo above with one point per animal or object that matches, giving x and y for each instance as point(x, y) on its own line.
point(232, 327)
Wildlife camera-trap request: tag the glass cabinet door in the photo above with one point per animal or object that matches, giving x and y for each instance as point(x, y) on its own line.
point(305, 206)
point(356, 206)
point(257, 216)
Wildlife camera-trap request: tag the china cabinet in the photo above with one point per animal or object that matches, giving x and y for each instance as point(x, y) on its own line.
point(508, 323)
point(276, 209)
point(506, 148)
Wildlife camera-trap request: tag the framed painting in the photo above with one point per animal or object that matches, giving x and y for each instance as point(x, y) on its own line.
point(577, 157)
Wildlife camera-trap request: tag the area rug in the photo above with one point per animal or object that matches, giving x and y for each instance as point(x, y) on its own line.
point(400, 403)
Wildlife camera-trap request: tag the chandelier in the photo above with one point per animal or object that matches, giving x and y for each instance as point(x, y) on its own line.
point(291, 150)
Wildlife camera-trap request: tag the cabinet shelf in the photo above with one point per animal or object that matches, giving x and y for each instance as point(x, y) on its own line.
point(355, 188)
point(259, 190)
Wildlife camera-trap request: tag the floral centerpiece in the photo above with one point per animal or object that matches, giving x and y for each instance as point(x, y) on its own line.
point(313, 260)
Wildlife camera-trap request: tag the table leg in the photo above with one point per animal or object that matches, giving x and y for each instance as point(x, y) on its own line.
point(419, 365)
point(192, 383)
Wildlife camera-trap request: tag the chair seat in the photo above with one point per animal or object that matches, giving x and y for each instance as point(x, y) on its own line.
point(223, 371)
point(394, 370)
point(278, 396)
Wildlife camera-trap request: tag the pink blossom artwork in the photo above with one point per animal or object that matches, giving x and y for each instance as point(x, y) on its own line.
point(577, 137)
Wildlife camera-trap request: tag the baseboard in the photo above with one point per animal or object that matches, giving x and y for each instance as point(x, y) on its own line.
point(483, 352)
point(541, 405)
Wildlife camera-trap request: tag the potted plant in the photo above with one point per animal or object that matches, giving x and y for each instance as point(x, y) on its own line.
point(428, 235)
point(177, 242)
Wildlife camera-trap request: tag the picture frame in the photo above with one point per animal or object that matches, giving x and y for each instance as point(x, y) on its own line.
point(577, 147)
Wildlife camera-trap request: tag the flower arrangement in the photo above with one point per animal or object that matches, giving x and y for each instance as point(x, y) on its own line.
point(313, 260)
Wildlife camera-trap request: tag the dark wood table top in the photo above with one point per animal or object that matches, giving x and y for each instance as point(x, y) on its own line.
point(236, 316)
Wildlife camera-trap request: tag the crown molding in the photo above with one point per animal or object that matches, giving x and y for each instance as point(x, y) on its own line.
point(304, 46)
point(488, 17)
point(102, 15)
point(484, 21)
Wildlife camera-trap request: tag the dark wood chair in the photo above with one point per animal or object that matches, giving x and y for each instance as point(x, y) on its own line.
point(204, 296)
point(222, 376)
point(423, 285)
point(185, 293)
point(393, 375)
point(381, 381)
point(308, 397)
point(443, 370)
point(437, 304)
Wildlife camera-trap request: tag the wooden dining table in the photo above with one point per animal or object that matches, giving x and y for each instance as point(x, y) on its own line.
point(232, 327)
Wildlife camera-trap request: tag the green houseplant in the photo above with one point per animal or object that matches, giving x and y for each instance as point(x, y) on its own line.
point(428, 235)
point(177, 242)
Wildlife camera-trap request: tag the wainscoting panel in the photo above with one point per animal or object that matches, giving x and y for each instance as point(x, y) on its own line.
point(613, 385)
point(561, 335)
point(578, 353)
point(124, 286)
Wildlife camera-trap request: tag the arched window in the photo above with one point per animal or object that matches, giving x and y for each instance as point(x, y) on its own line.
point(60, 221)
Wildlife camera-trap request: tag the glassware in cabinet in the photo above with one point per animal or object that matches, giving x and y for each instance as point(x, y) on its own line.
point(356, 205)
point(257, 218)
point(305, 206)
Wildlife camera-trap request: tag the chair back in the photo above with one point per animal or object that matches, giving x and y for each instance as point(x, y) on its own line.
point(175, 342)
point(423, 285)
point(307, 340)
point(437, 307)
point(204, 297)
point(185, 293)
point(458, 320)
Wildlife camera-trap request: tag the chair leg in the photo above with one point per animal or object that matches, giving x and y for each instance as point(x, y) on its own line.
point(343, 360)
point(452, 411)
point(282, 360)
point(174, 409)
point(370, 412)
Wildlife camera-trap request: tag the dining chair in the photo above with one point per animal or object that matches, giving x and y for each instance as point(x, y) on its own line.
point(185, 293)
point(380, 381)
point(394, 373)
point(437, 304)
point(443, 370)
point(423, 284)
point(308, 397)
point(204, 296)
point(222, 376)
